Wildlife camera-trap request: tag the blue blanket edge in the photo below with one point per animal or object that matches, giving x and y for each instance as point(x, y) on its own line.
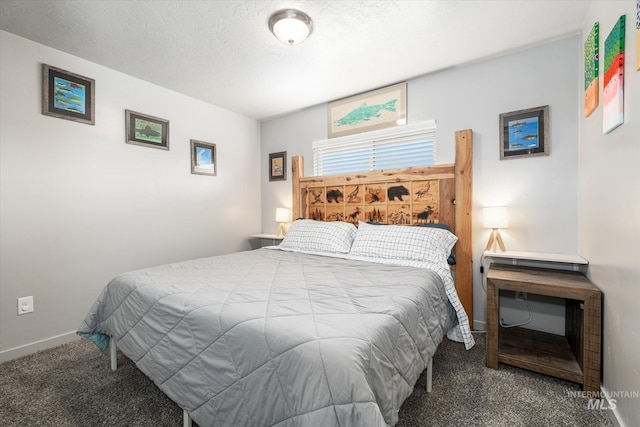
point(101, 340)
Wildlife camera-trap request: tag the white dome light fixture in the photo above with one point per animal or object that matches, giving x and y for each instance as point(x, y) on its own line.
point(290, 26)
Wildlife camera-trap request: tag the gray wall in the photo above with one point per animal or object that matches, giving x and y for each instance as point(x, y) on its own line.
point(609, 216)
point(79, 206)
point(541, 191)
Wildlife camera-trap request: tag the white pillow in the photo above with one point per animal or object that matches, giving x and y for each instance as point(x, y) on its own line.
point(317, 236)
point(403, 242)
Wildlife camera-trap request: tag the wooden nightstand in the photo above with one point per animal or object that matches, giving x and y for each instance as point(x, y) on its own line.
point(575, 356)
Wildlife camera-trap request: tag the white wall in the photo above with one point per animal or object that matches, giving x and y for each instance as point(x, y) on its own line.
point(609, 215)
point(541, 191)
point(78, 205)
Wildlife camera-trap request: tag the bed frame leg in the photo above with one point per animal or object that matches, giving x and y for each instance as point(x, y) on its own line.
point(429, 375)
point(186, 419)
point(113, 351)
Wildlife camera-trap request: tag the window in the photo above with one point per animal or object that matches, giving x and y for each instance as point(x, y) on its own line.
point(399, 147)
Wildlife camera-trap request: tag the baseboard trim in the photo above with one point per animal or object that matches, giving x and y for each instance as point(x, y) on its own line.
point(612, 413)
point(479, 325)
point(24, 350)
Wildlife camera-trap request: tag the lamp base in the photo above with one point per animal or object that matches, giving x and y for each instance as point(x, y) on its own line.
point(493, 239)
point(282, 231)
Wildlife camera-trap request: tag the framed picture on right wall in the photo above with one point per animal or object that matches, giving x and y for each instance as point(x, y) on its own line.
point(524, 133)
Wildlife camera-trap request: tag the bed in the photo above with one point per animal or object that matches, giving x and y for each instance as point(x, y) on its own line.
point(332, 327)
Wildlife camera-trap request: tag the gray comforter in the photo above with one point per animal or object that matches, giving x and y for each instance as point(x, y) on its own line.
point(273, 338)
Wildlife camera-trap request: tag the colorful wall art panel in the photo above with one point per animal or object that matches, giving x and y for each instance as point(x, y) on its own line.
point(612, 93)
point(638, 35)
point(591, 60)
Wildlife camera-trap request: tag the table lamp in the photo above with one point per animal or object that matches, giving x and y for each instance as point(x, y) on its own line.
point(283, 216)
point(495, 218)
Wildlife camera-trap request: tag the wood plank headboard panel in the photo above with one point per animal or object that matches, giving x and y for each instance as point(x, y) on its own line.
point(412, 196)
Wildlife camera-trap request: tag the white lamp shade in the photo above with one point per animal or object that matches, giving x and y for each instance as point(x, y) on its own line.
point(495, 217)
point(283, 215)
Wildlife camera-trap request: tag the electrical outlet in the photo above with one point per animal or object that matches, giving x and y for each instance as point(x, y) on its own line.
point(521, 296)
point(25, 305)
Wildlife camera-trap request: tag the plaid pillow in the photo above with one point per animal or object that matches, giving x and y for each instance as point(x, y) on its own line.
point(403, 242)
point(316, 236)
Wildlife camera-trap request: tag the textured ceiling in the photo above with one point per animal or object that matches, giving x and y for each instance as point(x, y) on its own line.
point(222, 52)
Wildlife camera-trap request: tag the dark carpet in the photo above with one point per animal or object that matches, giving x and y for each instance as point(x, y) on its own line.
point(72, 385)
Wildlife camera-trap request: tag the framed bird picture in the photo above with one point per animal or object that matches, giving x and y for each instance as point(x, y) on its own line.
point(278, 166)
point(203, 158)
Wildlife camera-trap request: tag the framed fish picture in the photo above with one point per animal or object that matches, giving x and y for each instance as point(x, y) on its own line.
point(147, 131)
point(524, 133)
point(67, 95)
point(378, 109)
point(203, 158)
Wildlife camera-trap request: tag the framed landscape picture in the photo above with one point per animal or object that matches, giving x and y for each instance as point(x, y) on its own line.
point(378, 109)
point(203, 158)
point(66, 95)
point(278, 166)
point(524, 133)
point(147, 131)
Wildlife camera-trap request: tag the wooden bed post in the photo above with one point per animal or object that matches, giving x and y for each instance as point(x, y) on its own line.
point(297, 169)
point(464, 207)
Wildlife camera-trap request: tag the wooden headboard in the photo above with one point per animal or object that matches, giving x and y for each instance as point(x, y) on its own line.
point(412, 196)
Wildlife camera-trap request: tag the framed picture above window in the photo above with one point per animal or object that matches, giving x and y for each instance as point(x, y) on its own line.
point(524, 133)
point(66, 95)
point(378, 109)
point(203, 158)
point(278, 166)
point(147, 131)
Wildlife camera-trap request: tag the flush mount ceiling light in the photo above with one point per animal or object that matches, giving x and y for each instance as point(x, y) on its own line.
point(290, 26)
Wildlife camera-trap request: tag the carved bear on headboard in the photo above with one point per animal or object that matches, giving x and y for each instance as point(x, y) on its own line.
point(335, 195)
point(397, 191)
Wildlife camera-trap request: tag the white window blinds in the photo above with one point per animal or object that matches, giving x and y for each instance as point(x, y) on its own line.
point(398, 147)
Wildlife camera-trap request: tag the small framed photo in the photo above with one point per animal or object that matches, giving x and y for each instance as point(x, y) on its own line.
point(203, 158)
point(524, 133)
point(145, 130)
point(66, 95)
point(278, 166)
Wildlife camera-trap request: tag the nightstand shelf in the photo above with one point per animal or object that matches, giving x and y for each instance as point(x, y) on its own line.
point(538, 351)
point(274, 238)
point(574, 356)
